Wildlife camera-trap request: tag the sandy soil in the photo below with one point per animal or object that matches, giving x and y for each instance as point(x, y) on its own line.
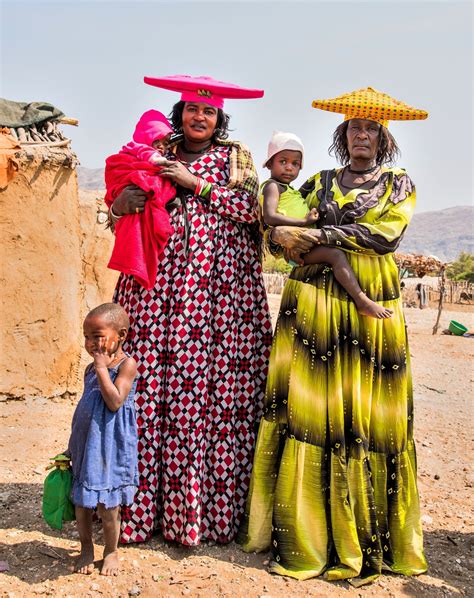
point(40, 559)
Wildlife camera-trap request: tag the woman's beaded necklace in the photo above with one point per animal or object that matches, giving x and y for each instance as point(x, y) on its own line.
point(371, 169)
point(376, 168)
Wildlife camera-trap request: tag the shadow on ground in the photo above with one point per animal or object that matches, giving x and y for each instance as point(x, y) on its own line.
point(449, 552)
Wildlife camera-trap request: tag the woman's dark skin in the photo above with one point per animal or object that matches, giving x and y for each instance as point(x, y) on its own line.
point(362, 144)
point(199, 124)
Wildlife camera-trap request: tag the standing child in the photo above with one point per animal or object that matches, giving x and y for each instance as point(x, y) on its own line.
point(282, 205)
point(103, 442)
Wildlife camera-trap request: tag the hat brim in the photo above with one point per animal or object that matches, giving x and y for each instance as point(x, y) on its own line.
point(182, 83)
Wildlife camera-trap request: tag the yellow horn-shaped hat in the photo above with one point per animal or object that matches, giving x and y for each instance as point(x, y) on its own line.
point(370, 104)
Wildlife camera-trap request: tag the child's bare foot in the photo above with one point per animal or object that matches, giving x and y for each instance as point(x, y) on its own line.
point(110, 565)
point(367, 307)
point(85, 562)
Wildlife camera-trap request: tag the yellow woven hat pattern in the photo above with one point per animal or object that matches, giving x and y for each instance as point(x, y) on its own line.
point(370, 104)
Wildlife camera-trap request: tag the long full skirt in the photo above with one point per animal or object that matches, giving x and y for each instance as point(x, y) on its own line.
point(201, 338)
point(333, 487)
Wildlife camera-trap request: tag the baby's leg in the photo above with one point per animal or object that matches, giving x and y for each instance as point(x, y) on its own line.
point(345, 276)
point(111, 526)
point(85, 562)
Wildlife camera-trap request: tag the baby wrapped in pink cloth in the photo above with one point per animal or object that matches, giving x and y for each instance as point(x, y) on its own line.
point(140, 239)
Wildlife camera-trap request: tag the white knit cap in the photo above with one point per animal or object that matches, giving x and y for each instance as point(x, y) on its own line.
point(284, 141)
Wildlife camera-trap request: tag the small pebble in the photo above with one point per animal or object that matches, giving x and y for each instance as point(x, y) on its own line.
point(134, 591)
point(426, 519)
point(436, 476)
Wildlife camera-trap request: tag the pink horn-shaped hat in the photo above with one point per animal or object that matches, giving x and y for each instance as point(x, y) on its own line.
point(204, 89)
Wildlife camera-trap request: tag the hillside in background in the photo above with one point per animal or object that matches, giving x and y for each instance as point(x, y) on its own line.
point(90, 178)
point(443, 233)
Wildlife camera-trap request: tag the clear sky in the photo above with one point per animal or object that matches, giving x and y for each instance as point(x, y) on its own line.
point(89, 59)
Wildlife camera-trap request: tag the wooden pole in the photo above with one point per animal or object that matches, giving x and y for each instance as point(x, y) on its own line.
point(65, 120)
point(441, 296)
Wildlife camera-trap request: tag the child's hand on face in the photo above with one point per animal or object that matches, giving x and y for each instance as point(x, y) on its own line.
point(105, 354)
point(312, 216)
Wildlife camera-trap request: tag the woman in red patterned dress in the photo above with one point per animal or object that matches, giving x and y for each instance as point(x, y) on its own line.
point(201, 336)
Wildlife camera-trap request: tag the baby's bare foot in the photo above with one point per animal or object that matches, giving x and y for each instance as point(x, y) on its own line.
point(367, 307)
point(85, 562)
point(110, 565)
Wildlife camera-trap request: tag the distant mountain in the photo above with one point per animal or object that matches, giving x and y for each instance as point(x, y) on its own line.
point(444, 233)
point(90, 178)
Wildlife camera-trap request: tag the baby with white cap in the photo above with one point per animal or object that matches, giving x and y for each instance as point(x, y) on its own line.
point(282, 205)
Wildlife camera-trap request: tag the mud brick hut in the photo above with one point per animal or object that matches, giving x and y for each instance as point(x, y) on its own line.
point(48, 254)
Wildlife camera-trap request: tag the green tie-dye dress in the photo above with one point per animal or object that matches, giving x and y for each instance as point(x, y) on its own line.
point(333, 486)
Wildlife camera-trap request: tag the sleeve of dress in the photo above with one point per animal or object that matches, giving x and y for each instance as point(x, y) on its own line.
point(384, 234)
point(238, 200)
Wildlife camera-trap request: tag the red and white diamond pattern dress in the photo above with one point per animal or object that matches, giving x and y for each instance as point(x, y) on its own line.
point(201, 338)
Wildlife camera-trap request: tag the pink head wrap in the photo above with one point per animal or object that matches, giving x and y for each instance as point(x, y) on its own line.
point(152, 125)
point(203, 89)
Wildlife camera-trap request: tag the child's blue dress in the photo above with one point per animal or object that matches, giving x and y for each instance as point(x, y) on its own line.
point(103, 447)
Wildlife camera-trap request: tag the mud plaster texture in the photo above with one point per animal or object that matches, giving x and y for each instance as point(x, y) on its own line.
point(49, 275)
point(96, 247)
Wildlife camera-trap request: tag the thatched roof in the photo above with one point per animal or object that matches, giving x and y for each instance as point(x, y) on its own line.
point(418, 264)
point(34, 123)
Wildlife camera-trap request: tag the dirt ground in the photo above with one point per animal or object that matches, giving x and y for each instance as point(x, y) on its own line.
point(40, 559)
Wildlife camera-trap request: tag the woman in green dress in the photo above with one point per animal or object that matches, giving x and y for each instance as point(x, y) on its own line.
point(333, 487)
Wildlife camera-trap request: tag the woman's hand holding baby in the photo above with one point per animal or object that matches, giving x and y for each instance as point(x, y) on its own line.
point(293, 238)
point(131, 200)
point(296, 241)
point(178, 173)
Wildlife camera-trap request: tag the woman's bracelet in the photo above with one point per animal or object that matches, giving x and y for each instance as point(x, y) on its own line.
point(199, 185)
point(112, 219)
point(275, 248)
point(113, 215)
point(202, 187)
point(205, 192)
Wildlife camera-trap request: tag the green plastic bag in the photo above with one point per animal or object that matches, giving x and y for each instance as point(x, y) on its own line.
point(57, 505)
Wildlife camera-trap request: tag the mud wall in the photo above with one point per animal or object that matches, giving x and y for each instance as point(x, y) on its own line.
point(53, 269)
point(96, 247)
